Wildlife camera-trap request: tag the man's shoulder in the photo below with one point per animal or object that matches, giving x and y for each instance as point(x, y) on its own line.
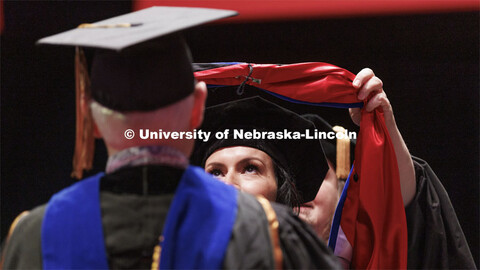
point(23, 245)
point(29, 222)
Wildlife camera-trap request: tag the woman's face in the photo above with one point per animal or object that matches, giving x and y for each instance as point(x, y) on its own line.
point(248, 169)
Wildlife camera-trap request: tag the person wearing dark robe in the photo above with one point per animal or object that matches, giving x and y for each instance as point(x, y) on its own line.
point(433, 229)
point(435, 237)
point(151, 209)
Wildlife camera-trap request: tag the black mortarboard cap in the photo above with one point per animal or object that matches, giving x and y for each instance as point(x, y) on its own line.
point(140, 61)
point(302, 158)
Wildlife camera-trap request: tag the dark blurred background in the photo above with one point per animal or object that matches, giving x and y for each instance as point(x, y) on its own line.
point(428, 61)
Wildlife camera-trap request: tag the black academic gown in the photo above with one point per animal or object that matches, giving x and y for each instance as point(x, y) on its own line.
point(133, 215)
point(435, 237)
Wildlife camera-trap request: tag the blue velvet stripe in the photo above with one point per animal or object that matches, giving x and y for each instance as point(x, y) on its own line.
point(332, 240)
point(228, 63)
point(199, 223)
point(72, 236)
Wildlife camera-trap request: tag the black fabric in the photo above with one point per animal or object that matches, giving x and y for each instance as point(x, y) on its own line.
point(248, 234)
point(143, 77)
point(435, 237)
point(142, 180)
point(132, 225)
point(329, 145)
point(302, 158)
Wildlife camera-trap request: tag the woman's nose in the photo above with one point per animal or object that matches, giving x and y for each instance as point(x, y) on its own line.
point(232, 179)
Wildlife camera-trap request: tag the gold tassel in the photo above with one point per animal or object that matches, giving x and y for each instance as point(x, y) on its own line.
point(84, 140)
point(343, 154)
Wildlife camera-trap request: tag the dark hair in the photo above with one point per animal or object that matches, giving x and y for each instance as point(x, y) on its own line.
point(287, 193)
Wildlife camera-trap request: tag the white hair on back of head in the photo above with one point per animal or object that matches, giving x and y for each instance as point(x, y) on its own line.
point(112, 124)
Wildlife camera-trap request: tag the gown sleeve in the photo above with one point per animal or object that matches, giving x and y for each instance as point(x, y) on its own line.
point(435, 237)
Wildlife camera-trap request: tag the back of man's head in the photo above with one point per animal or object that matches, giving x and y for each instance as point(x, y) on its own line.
point(122, 130)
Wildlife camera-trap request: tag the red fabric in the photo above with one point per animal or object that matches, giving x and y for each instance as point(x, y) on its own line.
point(262, 10)
point(304, 81)
point(373, 216)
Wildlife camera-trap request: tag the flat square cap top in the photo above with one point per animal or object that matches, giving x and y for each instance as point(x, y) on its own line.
point(134, 28)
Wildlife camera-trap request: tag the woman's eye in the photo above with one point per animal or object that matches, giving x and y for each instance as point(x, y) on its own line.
point(251, 169)
point(215, 172)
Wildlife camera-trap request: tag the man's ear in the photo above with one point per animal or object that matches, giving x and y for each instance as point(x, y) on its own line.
point(87, 109)
point(200, 96)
